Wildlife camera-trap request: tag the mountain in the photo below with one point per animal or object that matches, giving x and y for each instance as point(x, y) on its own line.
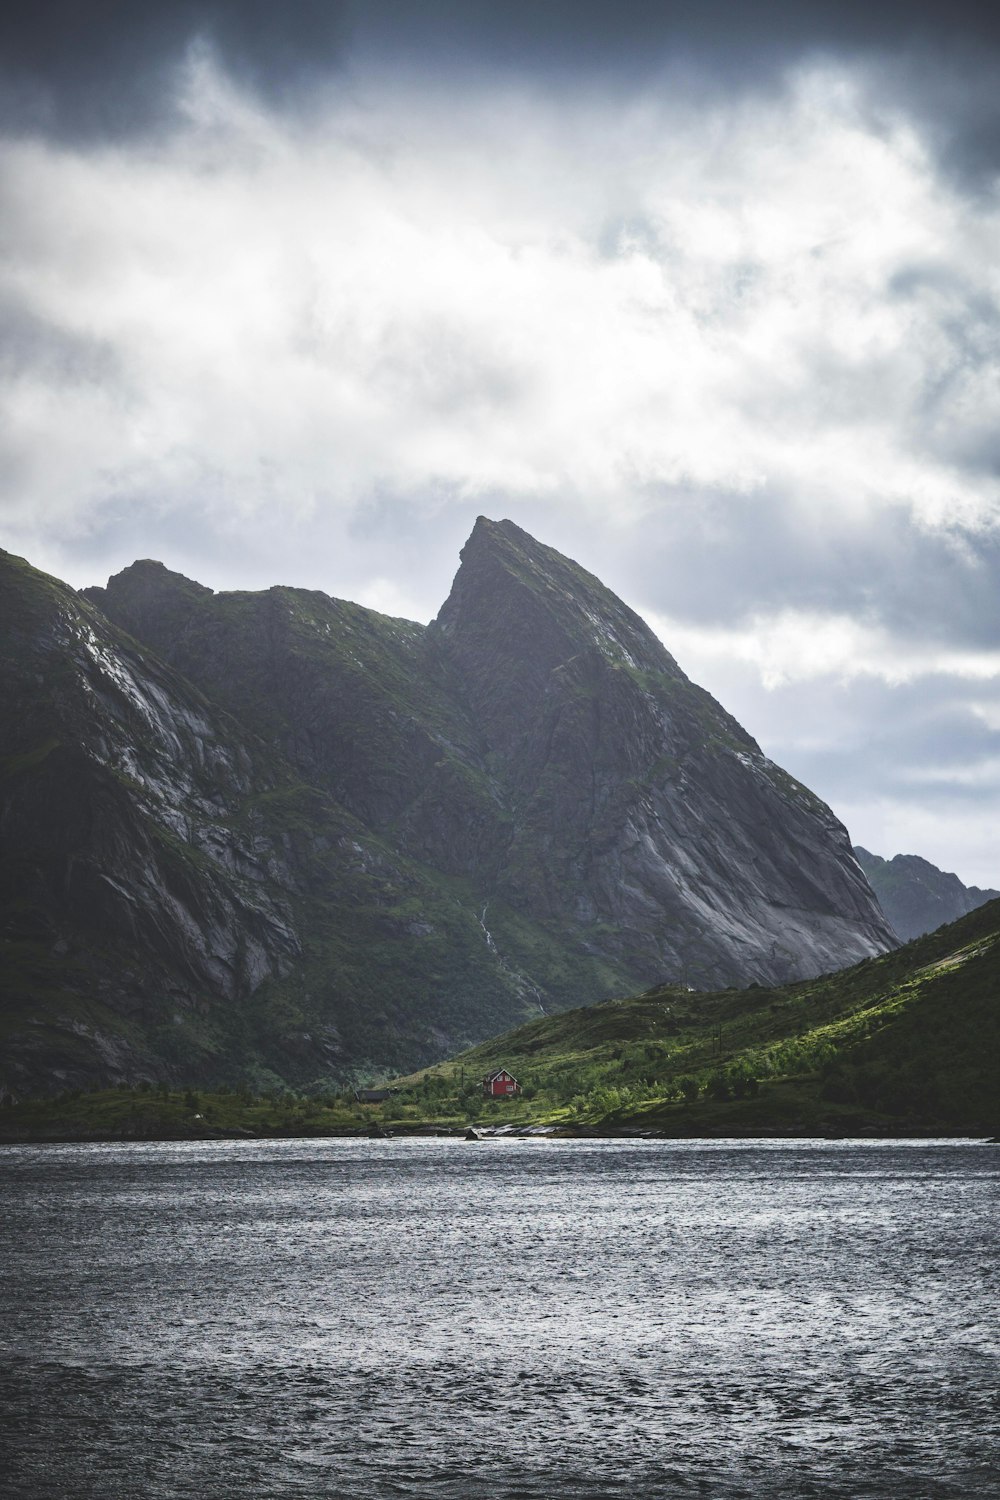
point(915, 895)
point(905, 1043)
point(278, 838)
point(179, 902)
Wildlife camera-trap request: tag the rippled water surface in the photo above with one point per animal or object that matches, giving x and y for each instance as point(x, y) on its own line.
point(506, 1318)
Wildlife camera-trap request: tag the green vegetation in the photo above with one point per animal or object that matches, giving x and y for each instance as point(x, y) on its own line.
point(908, 1041)
point(159, 1113)
point(905, 1043)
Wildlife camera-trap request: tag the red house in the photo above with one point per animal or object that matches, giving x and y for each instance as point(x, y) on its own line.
point(500, 1085)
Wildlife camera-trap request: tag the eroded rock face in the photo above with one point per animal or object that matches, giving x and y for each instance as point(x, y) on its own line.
point(278, 836)
point(120, 857)
point(640, 809)
point(178, 903)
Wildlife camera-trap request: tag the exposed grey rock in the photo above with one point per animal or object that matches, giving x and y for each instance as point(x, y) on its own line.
point(641, 813)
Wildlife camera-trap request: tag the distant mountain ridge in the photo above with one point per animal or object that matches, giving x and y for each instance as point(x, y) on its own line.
point(282, 837)
point(915, 895)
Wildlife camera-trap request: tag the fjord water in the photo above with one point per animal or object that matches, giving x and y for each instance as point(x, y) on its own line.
point(509, 1318)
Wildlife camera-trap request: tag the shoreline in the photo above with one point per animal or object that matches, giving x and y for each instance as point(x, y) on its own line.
point(461, 1134)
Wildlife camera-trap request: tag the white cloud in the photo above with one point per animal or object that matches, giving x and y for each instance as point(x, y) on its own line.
point(796, 645)
point(989, 713)
point(570, 302)
point(887, 827)
point(983, 774)
point(389, 598)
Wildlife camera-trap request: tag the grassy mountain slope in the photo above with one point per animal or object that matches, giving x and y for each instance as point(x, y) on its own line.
point(910, 1040)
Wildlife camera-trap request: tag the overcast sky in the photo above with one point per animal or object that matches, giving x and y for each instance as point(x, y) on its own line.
point(707, 297)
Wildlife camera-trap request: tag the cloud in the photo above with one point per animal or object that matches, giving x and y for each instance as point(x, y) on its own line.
point(106, 70)
point(102, 70)
point(732, 566)
point(384, 299)
point(792, 646)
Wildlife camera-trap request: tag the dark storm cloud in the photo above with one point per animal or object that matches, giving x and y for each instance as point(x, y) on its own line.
point(105, 66)
point(950, 83)
point(634, 36)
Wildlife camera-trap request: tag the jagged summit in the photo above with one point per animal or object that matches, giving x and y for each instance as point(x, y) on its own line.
point(154, 603)
point(664, 828)
point(147, 579)
point(528, 626)
point(500, 561)
point(508, 581)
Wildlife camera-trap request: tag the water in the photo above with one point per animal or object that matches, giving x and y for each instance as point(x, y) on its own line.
point(436, 1318)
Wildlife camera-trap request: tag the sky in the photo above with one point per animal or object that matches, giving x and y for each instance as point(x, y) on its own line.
point(705, 296)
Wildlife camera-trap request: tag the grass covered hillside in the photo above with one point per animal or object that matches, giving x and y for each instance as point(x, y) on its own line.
point(907, 1041)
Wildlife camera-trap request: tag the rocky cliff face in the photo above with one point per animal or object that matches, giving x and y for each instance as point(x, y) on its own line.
point(915, 895)
point(280, 837)
point(642, 814)
point(178, 902)
point(126, 892)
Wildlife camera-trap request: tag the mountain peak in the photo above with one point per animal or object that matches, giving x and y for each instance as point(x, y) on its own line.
point(503, 535)
point(148, 573)
point(284, 788)
point(533, 603)
point(150, 601)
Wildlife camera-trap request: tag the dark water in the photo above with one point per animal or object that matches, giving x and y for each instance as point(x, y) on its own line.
point(509, 1318)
